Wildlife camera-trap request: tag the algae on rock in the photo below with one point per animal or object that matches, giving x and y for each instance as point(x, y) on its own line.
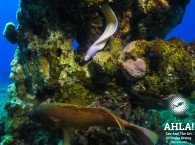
point(169, 67)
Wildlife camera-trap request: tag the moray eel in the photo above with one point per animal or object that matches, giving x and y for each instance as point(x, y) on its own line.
point(69, 117)
point(111, 26)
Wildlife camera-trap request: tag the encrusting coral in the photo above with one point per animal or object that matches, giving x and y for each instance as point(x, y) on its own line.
point(105, 63)
point(46, 69)
point(169, 68)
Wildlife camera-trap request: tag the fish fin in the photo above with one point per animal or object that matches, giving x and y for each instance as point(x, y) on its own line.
point(120, 124)
point(66, 137)
point(146, 136)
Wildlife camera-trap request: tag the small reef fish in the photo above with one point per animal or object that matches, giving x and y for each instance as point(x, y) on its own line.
point(67, 117)
point(111, 26)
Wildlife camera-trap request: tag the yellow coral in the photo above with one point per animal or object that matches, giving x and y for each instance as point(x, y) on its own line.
point(149, 5)
point(44, 68)
point(105, 63)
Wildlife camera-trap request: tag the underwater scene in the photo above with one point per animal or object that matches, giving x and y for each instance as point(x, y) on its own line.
point(97, 72)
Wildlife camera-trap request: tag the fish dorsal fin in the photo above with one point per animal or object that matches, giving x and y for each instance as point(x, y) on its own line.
point(120, 124)
point(96, 104)
point(68, 105)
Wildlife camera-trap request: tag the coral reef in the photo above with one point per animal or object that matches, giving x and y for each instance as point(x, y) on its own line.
point(191, 49)
point(10, 33)
point(46, 69)
point(105, 63)
point(155, 18)
point(168, 66)
point(4, 99)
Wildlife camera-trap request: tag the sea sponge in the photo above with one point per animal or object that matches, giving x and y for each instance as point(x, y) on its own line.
point(10, 33)
point(135, 67)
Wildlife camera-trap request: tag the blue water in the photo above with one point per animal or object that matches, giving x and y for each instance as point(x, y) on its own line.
point(7, 14)
point(185, 30)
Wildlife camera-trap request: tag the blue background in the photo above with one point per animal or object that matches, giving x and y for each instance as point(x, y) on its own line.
point(185, 30)
point(7, 14)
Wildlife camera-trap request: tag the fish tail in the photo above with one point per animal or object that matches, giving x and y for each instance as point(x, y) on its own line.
point(146, 136)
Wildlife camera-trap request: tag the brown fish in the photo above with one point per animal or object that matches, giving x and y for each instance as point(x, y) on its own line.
point(68, 117)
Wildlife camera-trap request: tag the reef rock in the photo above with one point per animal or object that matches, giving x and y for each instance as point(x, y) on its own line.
point(166, 67)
